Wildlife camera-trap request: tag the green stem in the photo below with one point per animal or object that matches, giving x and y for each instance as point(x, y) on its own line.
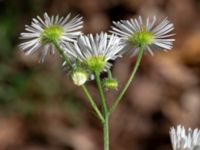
point(106, 132)
point(102, 96)
point(61, 52)
point(105, 110)
point(119, 97)
point(105, 117)
point(109, 74)
point(92, 103)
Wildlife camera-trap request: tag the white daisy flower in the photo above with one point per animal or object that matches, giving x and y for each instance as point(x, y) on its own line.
point(95, 51)
point(185, 139)
point(137, 33)
point(41, 34)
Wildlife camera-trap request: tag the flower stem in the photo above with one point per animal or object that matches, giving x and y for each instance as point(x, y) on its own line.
point(102, 96)
point(85, 90)
point(92, 103)
point(106, 132)
point(119, 97)
point(109, 74)
point(61, 52)
point(105, 112)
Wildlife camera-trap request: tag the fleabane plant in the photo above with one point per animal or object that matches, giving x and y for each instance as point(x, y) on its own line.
point(87, 56)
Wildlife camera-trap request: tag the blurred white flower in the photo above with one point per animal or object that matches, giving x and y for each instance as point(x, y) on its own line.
point(41, 34)
point(185, 139)
point(137, 33)
point(95, 51)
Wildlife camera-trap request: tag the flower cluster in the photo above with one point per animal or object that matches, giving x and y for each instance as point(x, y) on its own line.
point(88, 54)
point(185, 139)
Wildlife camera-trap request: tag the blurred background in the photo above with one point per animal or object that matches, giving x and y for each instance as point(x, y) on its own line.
point(40, 108)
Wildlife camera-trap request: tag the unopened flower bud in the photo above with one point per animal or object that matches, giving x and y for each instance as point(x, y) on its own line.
point(110, 83)
point(79, 77)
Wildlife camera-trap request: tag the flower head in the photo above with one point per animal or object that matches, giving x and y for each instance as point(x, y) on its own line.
point(185, 139)
point(147, 34)
point(94, 52)
point(41, 34)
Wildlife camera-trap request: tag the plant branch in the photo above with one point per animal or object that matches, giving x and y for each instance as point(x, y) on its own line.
point(92, 103)
point(102, 96)
point(119, 97)
point(61, 52)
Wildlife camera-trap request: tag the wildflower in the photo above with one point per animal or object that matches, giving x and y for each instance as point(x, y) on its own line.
point(147, 34)
point(41, 34)
point(94, 52)
point(185, 139)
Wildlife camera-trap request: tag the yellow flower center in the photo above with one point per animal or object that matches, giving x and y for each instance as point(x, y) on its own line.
point(142, 38)
point(95, 63)
point(52, 33)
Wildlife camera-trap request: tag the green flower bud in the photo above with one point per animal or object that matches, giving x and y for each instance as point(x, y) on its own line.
point(110, 83)
point(79, 77)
